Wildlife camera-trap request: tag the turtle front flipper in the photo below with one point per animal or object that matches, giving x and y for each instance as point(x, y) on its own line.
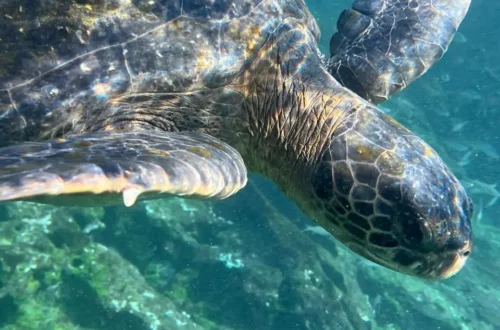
point(383, 45)
point(105, 167)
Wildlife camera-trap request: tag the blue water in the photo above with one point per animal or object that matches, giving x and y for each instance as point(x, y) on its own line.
point(255, 261)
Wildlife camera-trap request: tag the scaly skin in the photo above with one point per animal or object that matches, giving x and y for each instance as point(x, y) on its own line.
point(247, 72)
point(383, 45)
point(70, 67)
point(369, 181)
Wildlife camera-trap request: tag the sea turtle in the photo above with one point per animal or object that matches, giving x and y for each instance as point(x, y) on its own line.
point(119, 100)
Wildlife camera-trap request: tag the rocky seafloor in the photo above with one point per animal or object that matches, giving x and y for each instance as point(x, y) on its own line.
point(249, 262)
point(253, 262)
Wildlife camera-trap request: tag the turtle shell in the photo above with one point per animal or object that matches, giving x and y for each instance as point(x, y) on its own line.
point(61, 60)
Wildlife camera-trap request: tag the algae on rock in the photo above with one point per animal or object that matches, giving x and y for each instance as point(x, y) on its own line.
point(177, 263)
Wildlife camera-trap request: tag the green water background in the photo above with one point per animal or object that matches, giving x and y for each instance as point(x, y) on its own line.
point(249, 262)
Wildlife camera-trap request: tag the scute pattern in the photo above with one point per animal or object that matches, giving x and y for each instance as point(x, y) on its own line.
point(202, 9)
point(363, 193)
point(89, 56)
point(143, 98)
point(390, 180)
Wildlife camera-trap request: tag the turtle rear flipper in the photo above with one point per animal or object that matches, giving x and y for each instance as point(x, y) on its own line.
point(383, 45)
point(127, 166)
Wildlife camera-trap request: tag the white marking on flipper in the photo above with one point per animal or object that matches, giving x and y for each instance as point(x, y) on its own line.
point(130, 196)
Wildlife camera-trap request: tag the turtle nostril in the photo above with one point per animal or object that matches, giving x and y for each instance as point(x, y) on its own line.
point(466, 253)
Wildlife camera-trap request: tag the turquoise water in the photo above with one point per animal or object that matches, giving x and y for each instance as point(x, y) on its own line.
point(254, 261)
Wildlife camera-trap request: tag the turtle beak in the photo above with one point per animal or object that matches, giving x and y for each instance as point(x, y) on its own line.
point(454, 262)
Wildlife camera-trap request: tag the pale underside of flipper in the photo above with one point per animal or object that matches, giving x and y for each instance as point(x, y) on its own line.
point(107, 167)
point(383, 45)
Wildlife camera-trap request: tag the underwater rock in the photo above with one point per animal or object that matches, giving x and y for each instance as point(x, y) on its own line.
point(54, 276)
point(184, 264)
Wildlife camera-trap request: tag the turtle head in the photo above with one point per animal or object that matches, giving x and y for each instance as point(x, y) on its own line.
point(389, 197)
